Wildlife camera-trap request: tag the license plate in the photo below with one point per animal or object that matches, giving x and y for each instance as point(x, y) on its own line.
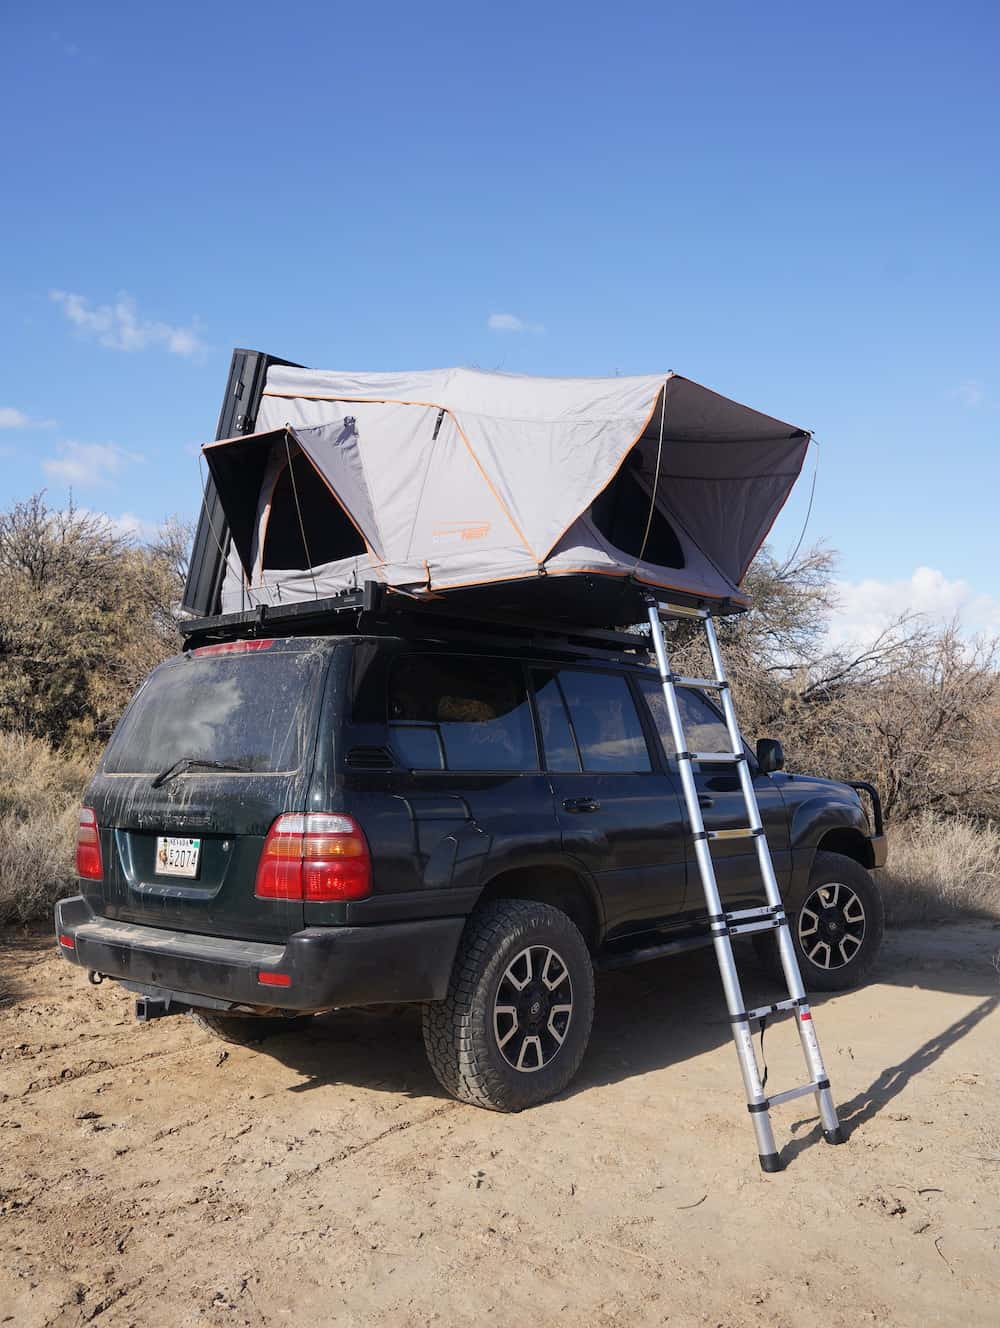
point(177, 857)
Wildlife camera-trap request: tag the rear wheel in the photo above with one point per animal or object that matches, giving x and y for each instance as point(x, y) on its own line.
point(515, 1024)
point(247, 1029)
point(836, 930)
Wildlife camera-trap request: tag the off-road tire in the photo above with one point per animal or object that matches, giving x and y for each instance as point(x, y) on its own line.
point(247, 1029)
point(832, 869)
point(460, 1032)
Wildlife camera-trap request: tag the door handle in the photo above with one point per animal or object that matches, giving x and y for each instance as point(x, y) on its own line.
point(704, 801)
point(581, 805)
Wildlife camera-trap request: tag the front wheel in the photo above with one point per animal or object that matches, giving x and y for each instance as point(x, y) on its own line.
point(836, 930)
point(515, 1024)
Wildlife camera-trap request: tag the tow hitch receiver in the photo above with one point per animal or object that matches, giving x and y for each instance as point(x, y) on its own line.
point(156, 1007)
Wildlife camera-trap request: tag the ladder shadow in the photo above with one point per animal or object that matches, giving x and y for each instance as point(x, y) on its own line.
point(891, 1081)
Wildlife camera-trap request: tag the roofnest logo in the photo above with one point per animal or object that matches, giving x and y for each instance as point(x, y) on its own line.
point(454, 532)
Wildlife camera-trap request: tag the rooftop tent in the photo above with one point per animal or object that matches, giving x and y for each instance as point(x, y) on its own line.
point(553, 495)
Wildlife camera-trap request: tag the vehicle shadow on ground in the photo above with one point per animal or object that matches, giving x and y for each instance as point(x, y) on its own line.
point(648, 1018)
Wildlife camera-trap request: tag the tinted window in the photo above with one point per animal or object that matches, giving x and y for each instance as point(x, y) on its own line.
point(604, 718)
point(557, 736)
point(242, 710)
point(703, 729)
point(461, 714)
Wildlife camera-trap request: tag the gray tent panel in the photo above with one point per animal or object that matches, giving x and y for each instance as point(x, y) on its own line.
point(336, 457)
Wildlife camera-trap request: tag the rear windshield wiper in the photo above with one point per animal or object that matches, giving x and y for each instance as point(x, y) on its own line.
point(192, 763)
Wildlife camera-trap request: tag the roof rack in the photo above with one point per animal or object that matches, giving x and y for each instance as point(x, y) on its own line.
point(374, 609)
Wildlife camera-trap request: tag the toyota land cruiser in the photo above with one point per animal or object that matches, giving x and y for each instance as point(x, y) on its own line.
point(286, 824)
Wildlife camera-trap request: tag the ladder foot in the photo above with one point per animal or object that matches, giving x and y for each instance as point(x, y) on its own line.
point(836, 1136)
point(770, 1162)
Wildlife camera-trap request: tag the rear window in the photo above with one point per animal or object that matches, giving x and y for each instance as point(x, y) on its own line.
point(248, 711)
point(461, 714)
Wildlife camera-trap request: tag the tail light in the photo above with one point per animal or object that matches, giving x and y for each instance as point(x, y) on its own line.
point(317, 857)
point(235, 647)
point(88, 847)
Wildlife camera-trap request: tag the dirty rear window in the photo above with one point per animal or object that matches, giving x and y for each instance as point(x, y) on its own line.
point(248, 711)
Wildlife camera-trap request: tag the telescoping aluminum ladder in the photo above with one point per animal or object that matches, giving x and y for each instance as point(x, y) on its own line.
point(725, 925)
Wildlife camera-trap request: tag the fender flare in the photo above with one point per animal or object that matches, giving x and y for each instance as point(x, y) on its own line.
point(812, 821)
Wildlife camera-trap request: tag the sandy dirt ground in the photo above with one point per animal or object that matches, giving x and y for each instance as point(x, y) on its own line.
point(148, 1176)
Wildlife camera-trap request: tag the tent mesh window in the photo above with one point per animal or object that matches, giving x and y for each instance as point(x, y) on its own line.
point(620, 513)
point(330, 534)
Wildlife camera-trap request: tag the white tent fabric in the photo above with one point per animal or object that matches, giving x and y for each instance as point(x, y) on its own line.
point(456, 478)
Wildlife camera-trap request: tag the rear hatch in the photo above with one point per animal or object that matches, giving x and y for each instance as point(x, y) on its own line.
point(216, 744)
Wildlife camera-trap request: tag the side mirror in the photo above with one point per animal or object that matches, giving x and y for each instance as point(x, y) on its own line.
point(770, 755)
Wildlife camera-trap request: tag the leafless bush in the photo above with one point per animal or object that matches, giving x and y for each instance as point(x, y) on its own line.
point(84, 615)
point(916, 711)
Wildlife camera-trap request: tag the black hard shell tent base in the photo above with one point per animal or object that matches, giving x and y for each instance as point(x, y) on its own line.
point(376, 609)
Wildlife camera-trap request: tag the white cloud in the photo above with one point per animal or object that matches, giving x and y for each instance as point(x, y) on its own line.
point(511, 323)
point(971, 393)
point(126, 524)
point(87, 464)
point(119, 326)
point(16, 419)
point(866, 608)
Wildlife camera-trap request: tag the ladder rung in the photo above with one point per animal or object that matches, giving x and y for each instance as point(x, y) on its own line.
point(766, 911)
point(745, 921)
point(678, 681)
point(790, 1093)
point(746, 928)
point(764, 1011)
point(743, 832)
point(722, 758)
point(683, 611)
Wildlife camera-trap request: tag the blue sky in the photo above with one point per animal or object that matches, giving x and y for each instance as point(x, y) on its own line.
point(799, 206)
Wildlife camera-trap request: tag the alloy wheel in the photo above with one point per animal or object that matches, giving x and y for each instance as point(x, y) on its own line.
point(831, 926)
point(533, 1008)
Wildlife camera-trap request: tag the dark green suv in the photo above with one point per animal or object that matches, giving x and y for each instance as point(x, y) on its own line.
point(286, 825)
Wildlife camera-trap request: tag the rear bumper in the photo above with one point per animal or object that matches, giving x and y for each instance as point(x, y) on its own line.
point(387, 963)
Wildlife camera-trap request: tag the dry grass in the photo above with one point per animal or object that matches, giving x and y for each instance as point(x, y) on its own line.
point(941, 868)
point(39, 803)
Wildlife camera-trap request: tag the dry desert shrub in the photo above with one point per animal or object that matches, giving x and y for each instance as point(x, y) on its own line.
point(40, 792)
point(941, 867)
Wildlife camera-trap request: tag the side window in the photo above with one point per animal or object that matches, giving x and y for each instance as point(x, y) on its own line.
point(557, 737)
point(605, 720)
point(460, 714)
point(704, 730)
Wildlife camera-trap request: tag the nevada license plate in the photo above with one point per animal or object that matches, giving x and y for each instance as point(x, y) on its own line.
point(177, 857)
